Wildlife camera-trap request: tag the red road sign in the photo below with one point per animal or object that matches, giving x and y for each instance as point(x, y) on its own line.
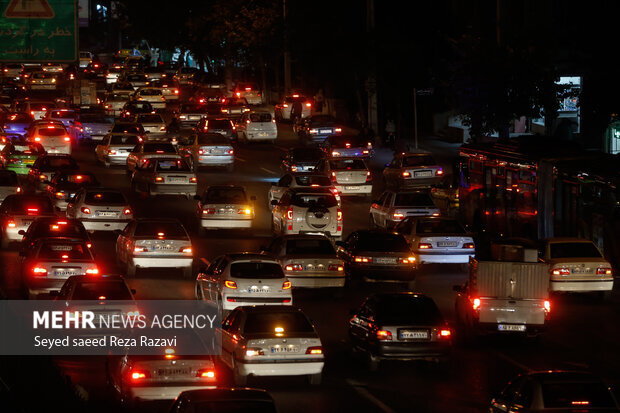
point(29, 9)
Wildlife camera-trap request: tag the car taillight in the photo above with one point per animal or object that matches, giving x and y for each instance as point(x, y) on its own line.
point(338, 130)
point(186, 250)
point(159, 179)
point(140, 249)
point(335, 267)
point(408, 260)
point(547, 307)
point(10, 224)
point(18, 189)
point(230, 151)
point(32, 211)
point(314, 350)
point(92, 271)
point(193, 180)
point(475, 303)
point(208, 211)
point(308, 105)
point(286, 285)
point(604, 271)
point(85, 210)
point(67, 139)
point(127, 211)
point(339, 214)
point(335, 153)
point(365, 152)
point(444, 334)
point(368, 176)
point(162, 128)
point(398, 215)
point(561, 271)
point(41, 272)
point(139, 375)
point(363, 259)
point(384, 335)
point(469, 245)
point(294, 168)
point(230, 284)
point(253, 351)
point(59, 195)
point(205, 374)
point(176, 91)
point(294, 267)
point(406, 174)
point(424, 246)
point(289, 214)
point(438, 172)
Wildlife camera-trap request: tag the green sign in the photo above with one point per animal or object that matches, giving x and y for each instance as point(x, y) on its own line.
point(38, 31)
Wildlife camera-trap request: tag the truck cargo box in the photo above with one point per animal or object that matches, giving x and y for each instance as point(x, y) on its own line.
point(503, 279)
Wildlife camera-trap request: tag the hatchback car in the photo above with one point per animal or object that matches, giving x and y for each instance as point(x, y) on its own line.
point(271, 341)
point(154, 243)
point(63, 186)
point(165, 176)
point(413, 170)
point(224, 127)
point(400, 326)
point(100, 209)
point(311, 179)
point(344, 146)
point(393, 207)
point(207, 149)
point(17, 213)
point(249, 91)
point(8, 184)
point(153, 124)
point(115, 147)
point(257, 126)
point(53, 137)
point(45, 166)
point(225, 206)
point(301, 159)
point(232, 280)
point(350, 176)
point(19, 154)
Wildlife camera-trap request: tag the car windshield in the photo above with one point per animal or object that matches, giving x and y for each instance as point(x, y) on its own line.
point(105, 198)
point(312, 180)
point(256, 270)
point(61, 163)
point(284, 322)
point(213, 139)
point(63, 114)
point(124, 140)
point(172, 165)
point(225, 196)
point(260, 117)
point(150, 119)
point(161, 230)
point(408, 310)
point(424, 160)
point(347, 164)
point(219, 124)
point(576, 395)
point(310, 247)
point(32, 206)
point(439, 226)
point(381, 242)
point(51, 132)
point(101, 290)
point(413, 199)
point(314, 200)
point(574, 250)
point(159, 148)
point(8, 179)
point(127, 129)
point(233, 406)
point(307, 154)
point(62, 251)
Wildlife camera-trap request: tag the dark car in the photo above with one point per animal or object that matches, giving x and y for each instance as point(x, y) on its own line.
point(222, 126)
point(187, 116)
point(400, 326)
point(45, 166)
point(377, 254)
point(301, 159)
point(224, 400)
point(63, 186)
point(341, 146)
point(17, 212)
point(318, 127)
point(132, 108)
point(50, 227)
point(18, 122)
point(233, 108)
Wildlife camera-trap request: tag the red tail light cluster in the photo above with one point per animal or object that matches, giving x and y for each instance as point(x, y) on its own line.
point(384, 335)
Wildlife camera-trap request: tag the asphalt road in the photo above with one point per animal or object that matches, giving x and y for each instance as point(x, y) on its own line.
point(584, 333)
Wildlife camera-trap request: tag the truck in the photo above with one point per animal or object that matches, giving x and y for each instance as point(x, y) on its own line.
point(507, 291)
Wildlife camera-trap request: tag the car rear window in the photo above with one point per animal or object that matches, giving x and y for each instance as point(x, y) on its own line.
point(8, 179)
point(51, 132)
point(173, 165)
point(312, 200)
point(219, 124)
point(213, 139)
point(63, 114)
point(289, 322)
point(58, 250)
point(159, 147)
point(101, 290)
point(225, 196)
point(576, 395)
point(440, 226)
point(160, 230)
point(256, 270)
point(307, 154)
point(574, 250)
point(347, 164)
point(124, 140)
point(236, 102)
point(406, 310)
point(233, 406)
point(260, 117)
point(32, 206)
point(309, 247)
point(79, 179)
point(312, 180)
point(105, 198)
point(150, 118)
point(418, 161)
point(61, 163)
point(145, 106)
point(127, 129)
point(382, 242)
point(413, 199)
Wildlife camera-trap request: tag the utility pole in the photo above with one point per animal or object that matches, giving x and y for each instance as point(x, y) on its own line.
point(287, 53)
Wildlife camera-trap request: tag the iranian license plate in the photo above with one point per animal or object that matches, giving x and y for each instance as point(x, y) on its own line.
point(352, 188)
point(194, 117)
point(511, 327)
point(385, 260)
point(262, 134)
point(64, 273)
point(285, 349)
point(446, 244)
point(177, 180)
point(413, 335)
point(174, 371)
point(163, 247)
point(258, 290)
point(423, 173)
point(325, 131)
point(106, 213)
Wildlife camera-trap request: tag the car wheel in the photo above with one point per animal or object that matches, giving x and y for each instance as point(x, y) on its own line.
point(239, 379)
point(187, 272)
point(131, 270)
point(315, 379)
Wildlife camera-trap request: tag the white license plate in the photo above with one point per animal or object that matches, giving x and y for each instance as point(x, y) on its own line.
point(285, 349)
point(258, 290)
point(423, 173)
point(385, 260)
point(446, 244)
point(325, 131)
point(177, 180)
point(261, 134)
point(511, 327)
point(194, 117)
point(106, 213)
point(174, 371)
point(163, 247)
point(580, 271)
point(64, 273)
point(352, 188)
point(414, 335)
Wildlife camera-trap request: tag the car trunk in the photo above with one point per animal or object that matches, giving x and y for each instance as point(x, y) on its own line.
point(351, 177)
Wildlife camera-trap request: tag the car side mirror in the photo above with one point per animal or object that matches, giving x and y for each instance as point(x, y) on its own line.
point(274, 202)
point(197, 197)
point(457, 288)
point(21, 232)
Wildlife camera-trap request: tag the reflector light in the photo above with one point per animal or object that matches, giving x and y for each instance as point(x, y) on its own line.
point(92, 271)
point(85, 210)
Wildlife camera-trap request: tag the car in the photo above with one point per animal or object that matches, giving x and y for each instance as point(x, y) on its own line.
point(271, 341)
point(52, 68)
point(168, 88)
point(400, 326)
point(208, 96)
point(317, 128)
point(347, 146)
point(222, 126)
point(301, 159)
point(122, 87)
point(233, 108)
point(413, 170)
point(8, 184)
point(128, 128)
point(115, 102)
point(257, 126)
point(115, 147)
point(98, 288)
point(188, 115)
point(183, 74)
point(438, 240)
point(224, 400)
point(45, 166)
point(51, 227)
point(233, 280)
point(11, 70)
point(52, 136)
point(64, 184)
point(207, 149)
point(100, 209)
point(293, 106)
point(350, 176)
point(85, 58)
point(94, 126)
point(250, 92)
point(307, 211)
point(555, 391)
point(153, 124)
point(150, 150)
point(154, 73)
point(154, 243)
point(95, 71)
point(165, 176)
point(225, 206)
point(577, 265)
point(50, 261)
point(295, 180)
point(42, 81)
point(308, 261)
point(17, 122)
point(19, 154)
point(68, 117)
point(112, 74)
point(152, 95)
point(137, 79)
point(41, 123)
point(393, 207)
point(135, 107)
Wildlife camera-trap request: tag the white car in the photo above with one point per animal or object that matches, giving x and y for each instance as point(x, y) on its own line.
point(250, 91)
point(100, 209)
point(149, 150)
point(310, 179)
point(307, 211)
point(271, 341)
point(154, 243)
point(577, 265)
point(225, 206)
point(53, 137)
point(350, 176)
point(152, 95)
point(233, 280)
point(308, 261)
point(115, 147)
point(154, 125)
point(393, 207)
point(438, 240)
point(257, 126)
point(165, 176)
point(42, 81)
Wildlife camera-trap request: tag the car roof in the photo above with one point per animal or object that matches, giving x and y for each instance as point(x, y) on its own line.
point(310, 190)
point(253, 309)
point(226, 393)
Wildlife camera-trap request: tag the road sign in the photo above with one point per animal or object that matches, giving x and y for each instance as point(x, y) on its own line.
point(38, 31)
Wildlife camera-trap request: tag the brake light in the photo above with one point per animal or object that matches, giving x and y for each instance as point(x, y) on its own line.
point(384, 335)
point(368, 176)
point(18, 189)
point(85, 210)
point(230, 284)
point(469, 245)
point(338, 130)
point(289, 214)
point(139, 375)
point(308, 105)
point(159, 179)
point(475, 303)
point(603, 271)
point(335, 153)
point(580, 403)
point(339, 214)
point(127, 211)
point(406, 174)
point(314, 350)
point(162, 128)
point(285, 105)
point(398, 215)
point(438, 172)
point(193, 180)
point(186, 250)
point(444, 334)
point(286, 285)
point(365, 152)
point(230, 151)
point(140, 249)
point(208, 211)
point(408, 260)
point(37, 139)
point(547, 307)
point(335, 267)
point(32, 211)
point(294, 267)
point(176, 91)
point(92, 271)
point(11, 224)
point(363, 259)
point(205, 374)
point(561, 271)
point(40, 271)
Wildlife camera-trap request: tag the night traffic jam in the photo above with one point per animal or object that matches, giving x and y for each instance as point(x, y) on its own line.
point(271, 206)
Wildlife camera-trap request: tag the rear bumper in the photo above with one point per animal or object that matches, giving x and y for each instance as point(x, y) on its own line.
point(446, 258)
point(240, 301)
point(413, 351)
point(256, 136)
point(419, 182)
point(582, 286)
point(316, 281)
point(162, 262)
point(226, 223)
point(493, 328)
point(173, 189)
point(356, 189)
point(379, 272)
point(280, 368)
point(103, 225)
point(216, 160)
point(166, 391)
point(116, 159)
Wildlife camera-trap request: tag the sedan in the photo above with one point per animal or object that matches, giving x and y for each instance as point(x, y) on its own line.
point(400, 326)
point(150, 150)
point(308, 261)
point(115, 102)
point(101, 288)
point(224, 127)
point(95, 126)
point(377, 255)
point(350, 176)
point(207, 149)
point(187, 116)
point(114, 148)
point(413, 170)
point(100, 209)
point(311, 179)
point(17, 213)
point(8, 184)
point(234, 280)
point(393, 207)
point(224, 400)
point(318, 127)
point(165, 176)
point(343, 146)
point(135, 107)
point(154, 96)
point(45, 166)
point(438, 240)
point(154, 243)
point(225, 206)
point(63, 186)
point(233, 108)
point(301, 159)
point(153, 124)
point(52, 227)
point(271, 341)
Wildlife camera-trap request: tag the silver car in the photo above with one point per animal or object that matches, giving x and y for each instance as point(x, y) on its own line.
point(100, 209)
point(150, 150)
point(153, 124)
point(350, 176)
point(393, 207)
point(165, 176)
point(115, 148)
point(208, 149)
point(413, 170)
point(225, 206)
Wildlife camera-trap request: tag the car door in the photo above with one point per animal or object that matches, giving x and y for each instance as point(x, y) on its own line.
point(376, 208)
point(362, 324)
point(280, 187)
point(392, 169)
point(229, 341)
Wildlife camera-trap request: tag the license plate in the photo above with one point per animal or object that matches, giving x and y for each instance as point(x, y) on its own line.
point(194, 117)
point(174, 372)
point(177, 180)
point(423, 173)
point(262, 133)
point(258, 290)
point(285, 349)
point(446, 244)
point(106, 213)
point(163, 247)
point(64, 273)
point(325, 131)
point(511, 327)
point(352, 188)
point(580, 271)
point(385, 260)
point(414, 335)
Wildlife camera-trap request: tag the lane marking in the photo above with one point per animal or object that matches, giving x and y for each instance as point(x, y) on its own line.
point(514, 362)
point(362, 391)
point(269, 171)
